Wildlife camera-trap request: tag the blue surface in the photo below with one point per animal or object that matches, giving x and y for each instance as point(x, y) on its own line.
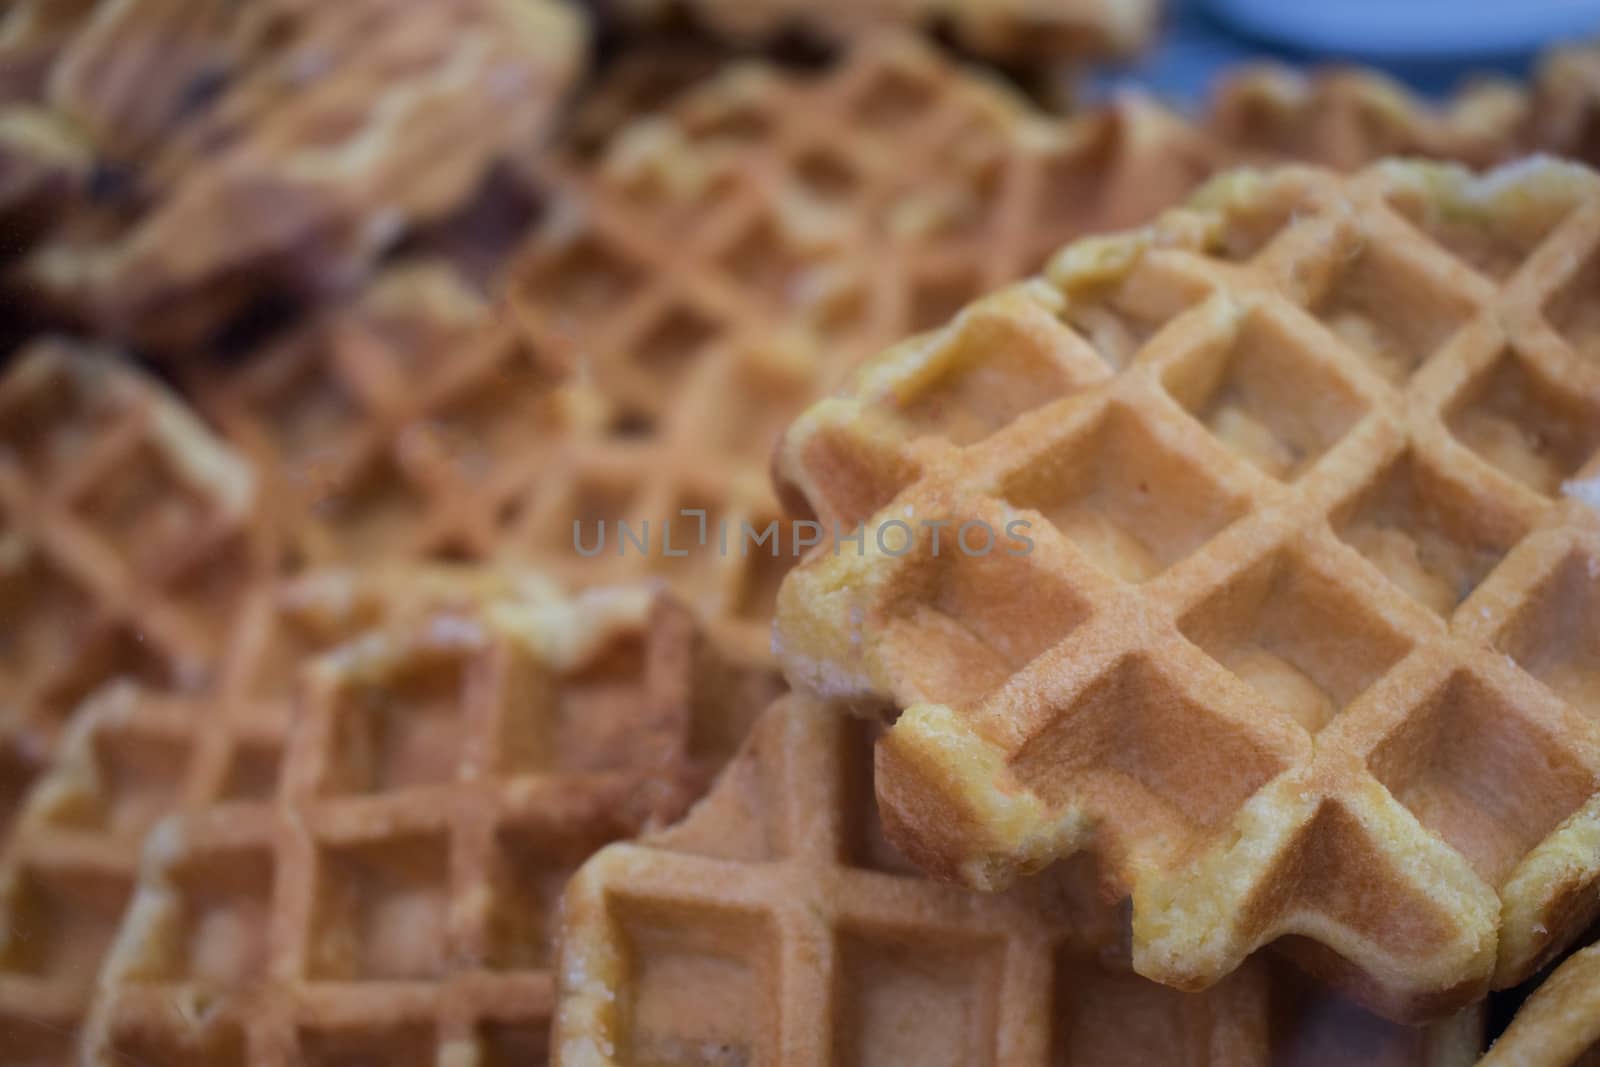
point(1196, 46)
point(1443, 29)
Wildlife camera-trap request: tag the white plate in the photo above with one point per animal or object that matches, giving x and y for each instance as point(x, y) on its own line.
point(1423, 29)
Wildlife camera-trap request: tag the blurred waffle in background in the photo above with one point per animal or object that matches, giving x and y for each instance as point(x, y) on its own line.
point(454, 283)
point(273, 148)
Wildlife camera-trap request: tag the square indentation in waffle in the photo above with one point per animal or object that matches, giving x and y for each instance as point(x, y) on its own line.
point(827, 175)
point(1531, 429)
point(310, 412)
point(1128, 500)
point(140, 775)
point(894, 98)
point(58, 923)
point(673, 341)
point(1390, 310)
point(1115, 739)
point(1118, 318)
point(381, 910)
point(982, 384)
point(377, 509)
point(146, 509)
point(705, 967)
point(1495, 243)
point(586, 277)
point(906, 997)
point(960, 624)
point(401, 730)
point(252, 771)
point(1426, 532)
point(1555, 632)
point(476, 429)
point(378, 1043)
point(1266, 396)
point(1304, 640)
point(1486, 777)
point(219, 937)
point(778, 264)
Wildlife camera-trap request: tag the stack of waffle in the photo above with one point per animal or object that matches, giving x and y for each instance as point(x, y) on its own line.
point(391, 544)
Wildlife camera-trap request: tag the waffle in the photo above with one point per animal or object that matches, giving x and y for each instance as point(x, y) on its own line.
point(331, 169)
point(1299, 638)
point(126, 530)
point(1559, 1026)
point(389, 902)
point(776, 926)
point(1019, 31)
point(1348, 118)
point(381, 427)
point(722, 262)
point(73, 826)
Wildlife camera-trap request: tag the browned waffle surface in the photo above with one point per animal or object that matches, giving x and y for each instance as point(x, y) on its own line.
point(136, 751)
point(391, 901)
point(720, 263)
point(776, 926)
point(126, 534)
point(1348, 118)
point(386, 428)
point(1299, 636)
point(1559, 1025)
point(1015, 30)
point(337, 128)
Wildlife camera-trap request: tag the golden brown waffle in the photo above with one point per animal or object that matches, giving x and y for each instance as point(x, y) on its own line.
point(125, 534)
point(290, 184)
point(1014, 30)
point(136, 752)
point(381, 428)
point(775, 925)
point(391, 902)
point(1301, 642)
point(722, 262)
point(1348, 118)
point(1559, 1026)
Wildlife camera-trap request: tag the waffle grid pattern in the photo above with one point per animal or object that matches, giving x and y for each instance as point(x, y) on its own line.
point(125, 531)
point(1305, 582)
point(136, 753)
point(775, 925)
point(722, 263)
point(394, 901)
